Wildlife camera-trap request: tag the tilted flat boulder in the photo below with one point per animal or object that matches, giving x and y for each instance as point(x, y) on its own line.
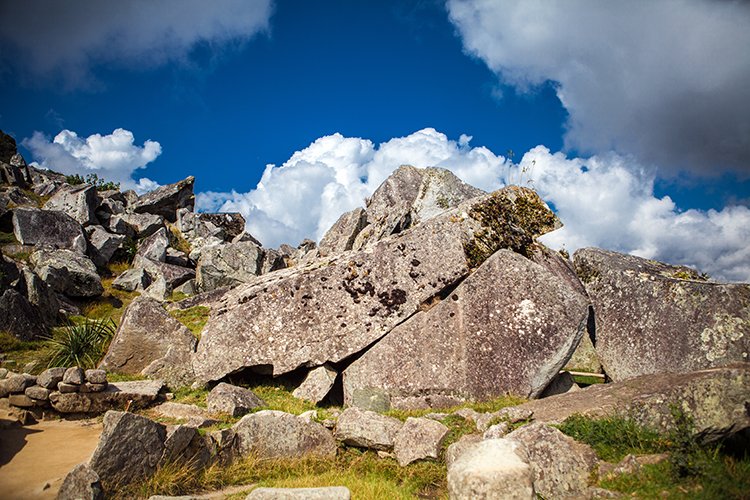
point(166, 200)
point(48, 228)
point(67, 272)
point(652, 317)
point(103, 244)
point(228, 264)
point(329, 311)
point(142, 224)
point(317, 384)
point(173, 275)
point(41, 296)
point(715, 398)
point(153, 247)
point(508, 328)
point(79, 202)
point(132, 279)
point(129, 449)
point(419, 438)
point(275, 434)
point(150, 341)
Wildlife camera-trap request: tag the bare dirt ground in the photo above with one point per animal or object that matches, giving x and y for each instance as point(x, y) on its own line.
point(35, 459)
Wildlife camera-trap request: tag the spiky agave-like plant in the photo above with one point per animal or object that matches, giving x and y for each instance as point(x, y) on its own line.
point(81, 344)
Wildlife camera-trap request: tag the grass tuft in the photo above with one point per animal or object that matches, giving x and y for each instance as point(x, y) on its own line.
point(194, 318)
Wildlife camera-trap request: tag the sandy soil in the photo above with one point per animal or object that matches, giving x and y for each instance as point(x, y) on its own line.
point(35, 459)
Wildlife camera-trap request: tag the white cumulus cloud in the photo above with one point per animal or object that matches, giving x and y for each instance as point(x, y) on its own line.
point(667, 81)
point(114, 157)
point(49, 37)
point(606, 201)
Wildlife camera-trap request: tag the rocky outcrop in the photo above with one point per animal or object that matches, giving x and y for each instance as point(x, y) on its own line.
point(508, 328)
point(150, 341)
point(166, 200)
point(48, 228)
point(79, 202)
point(652, 317)
point(275, 434)
point(129, 449)
point(228, 264)
point(326, 313)
point(340, 237)
point(67, 272)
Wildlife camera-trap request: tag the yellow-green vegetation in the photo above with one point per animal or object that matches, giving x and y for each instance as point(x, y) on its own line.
point(125, 377)
point(178, 296)
point(584, 380)
point(489, 406)
point(365, 474)
point(278, 396)
point(19, 352)
point(112, 303)
point(177, 240)
point(693, 470)
point(7, 238)
point(190, 396)
point(194, 318)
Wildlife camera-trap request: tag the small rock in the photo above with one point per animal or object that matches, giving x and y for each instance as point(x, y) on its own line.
point(309, 415)
point(272, 434)
point(326, 493)
point(562, 383)
point(96, 376)
point(132, 280)
point(37, 392)
point(94, 387)
point(317, 384)
point(367, 429)
point(417, 439)
point(50, 377)
point(74, 375)
point(81, 483)
point(67, 388)
point(21, 401)
point(497, 431)
point(236, 401)
point(17, 383)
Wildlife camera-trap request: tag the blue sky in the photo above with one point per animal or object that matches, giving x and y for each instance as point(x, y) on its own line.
point(635, 119)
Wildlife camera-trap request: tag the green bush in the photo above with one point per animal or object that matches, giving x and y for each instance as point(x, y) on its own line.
point(93, 179)
point(82, 344)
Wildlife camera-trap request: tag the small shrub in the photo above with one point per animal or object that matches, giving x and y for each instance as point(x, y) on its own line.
point(81, 344)
point(74, 180)
point(93, 179)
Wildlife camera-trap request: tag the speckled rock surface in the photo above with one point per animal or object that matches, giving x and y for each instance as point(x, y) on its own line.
point(67, 272)
point(653, 317)
point(166, 200)
point(333, 309)
point(417, 439)
point(508, 328)
point(273, 434)
point(340, 237)
point(79, 202)
point(228, 264)
point(317, 384)
point(81, 483)
point(367, 429)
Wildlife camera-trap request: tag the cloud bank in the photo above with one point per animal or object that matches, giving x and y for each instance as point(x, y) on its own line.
point(114, 157)
point(51, 38)
point(606, 201)
point(666, 81)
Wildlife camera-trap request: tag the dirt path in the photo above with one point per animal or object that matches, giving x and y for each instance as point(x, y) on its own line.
point(39, 456)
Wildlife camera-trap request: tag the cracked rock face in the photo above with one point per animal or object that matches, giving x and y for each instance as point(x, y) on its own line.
point(653, 317)
point(335, 309)
point(508, 328)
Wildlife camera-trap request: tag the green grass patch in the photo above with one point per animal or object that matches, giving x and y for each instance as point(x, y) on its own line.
point(177, 240)
point(8, 238)
point(365, 474)
point(194, 318)
point(490, 406)
point(585, 380)
point(125, 377)
point(20, 352)
point(189, 396)
point(613, 437)
point(111, 304)
point(459, 427)
point(279, 397)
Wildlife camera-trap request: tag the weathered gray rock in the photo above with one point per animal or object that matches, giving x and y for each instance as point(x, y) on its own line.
point(91, 387)
point(150, 341)
point(117, 223)
point(48, 228)
point(419, 438)
point(19, 317)
point(317, 384)
point(129, 449)
point(561, 467)
point(228, 264)
point(272, 261)
point(324, 493)
point(21, 401)
point(74, 375)
point(508, 328)
point(96, 376)
point(329, 311)
point(273, 434)
point(67, 272)
point(153, 247)
point(495, 468)
point(371, 398)
point(177, 258)
point(408, 197)
point(40, 295)
point(166, 200)
point(81, 483)
point(66, 388)
point(79, 202)
point(195, 416)
point(233, 400)
point(224, 226)
point(50, 377)
point(562, 383)
point(464, 443)
point(17, 383)
point(38, 393)
point(648, 399)
point(653, 317)
point(132, 279)
point(143, 224)
point(188, 288)
point(340, 237)
point(158, 290)
point(367, 429)
point(173, 275)
point(136, 394)
point(103, 244)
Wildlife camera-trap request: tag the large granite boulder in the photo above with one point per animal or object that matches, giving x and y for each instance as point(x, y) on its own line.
point(716, 399)
point(166, 200)
point(224, 226)
point(40, 295)
point(172, 274)
point(508, 328)
point(228, 264)
point(103, 244)
point(48, 228)
point(142, 224)
point(560, 466)
point(19, 317)
point(81, 483)
point(129, 449)
point(79, 202)
point(150, 341)
point(408, 197)
point(275, 434)
point(67, 272)
point(495, 468)
point(328, 311)
point(653, 317)
point(153, 247)
point(340, 237)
